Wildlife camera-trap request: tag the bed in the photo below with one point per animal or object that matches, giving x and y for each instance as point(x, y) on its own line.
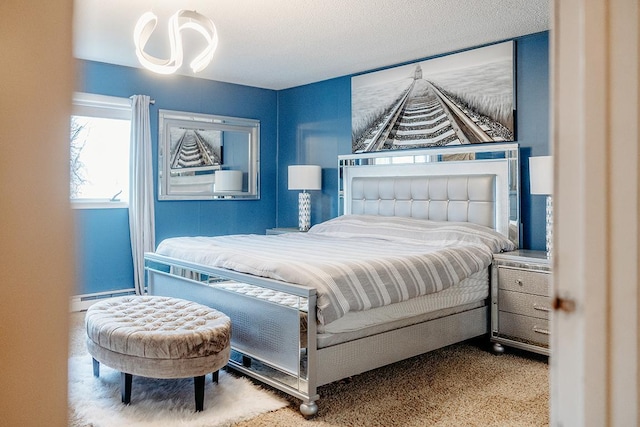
point(402, 270)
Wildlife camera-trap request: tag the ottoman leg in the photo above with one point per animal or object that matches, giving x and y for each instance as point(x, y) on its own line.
point(96, 368)
point(125, 387)
point(198, 383)
point(214, 376)
point(246, 361)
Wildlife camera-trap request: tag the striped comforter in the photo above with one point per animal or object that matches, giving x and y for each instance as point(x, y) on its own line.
point(354, 262)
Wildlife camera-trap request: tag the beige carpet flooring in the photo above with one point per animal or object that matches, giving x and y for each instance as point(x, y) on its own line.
point(460, 385)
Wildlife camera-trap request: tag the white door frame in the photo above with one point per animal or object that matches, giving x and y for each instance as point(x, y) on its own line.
point(594, 63)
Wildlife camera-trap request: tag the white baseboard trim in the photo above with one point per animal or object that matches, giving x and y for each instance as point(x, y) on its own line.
point(83, 302)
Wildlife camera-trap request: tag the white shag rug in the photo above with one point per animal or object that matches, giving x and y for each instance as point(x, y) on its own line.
point(162, 402)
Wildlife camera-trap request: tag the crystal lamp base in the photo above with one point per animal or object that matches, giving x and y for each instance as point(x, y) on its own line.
point(304, 211)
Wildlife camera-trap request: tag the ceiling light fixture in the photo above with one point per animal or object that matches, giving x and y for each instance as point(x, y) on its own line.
point(181, 20)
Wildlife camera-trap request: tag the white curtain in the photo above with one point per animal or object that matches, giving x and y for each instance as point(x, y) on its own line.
point(141, 195)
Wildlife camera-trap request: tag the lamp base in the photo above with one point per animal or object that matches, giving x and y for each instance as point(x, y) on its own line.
point(549, 228)
point(304, 211)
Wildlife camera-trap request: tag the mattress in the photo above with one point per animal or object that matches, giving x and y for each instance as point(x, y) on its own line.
point(468, 294)
point(355, 262)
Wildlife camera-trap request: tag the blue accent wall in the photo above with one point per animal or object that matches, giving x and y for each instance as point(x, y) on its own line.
point(102, 236)
point(309, 124)
point(314, 125)
point(532, 129)
point(103, 250)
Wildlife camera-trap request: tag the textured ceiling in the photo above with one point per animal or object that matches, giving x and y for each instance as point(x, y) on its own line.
point(277, 44)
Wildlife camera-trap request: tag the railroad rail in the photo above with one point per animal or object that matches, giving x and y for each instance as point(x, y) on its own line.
point(191, 151)
point(424, 117)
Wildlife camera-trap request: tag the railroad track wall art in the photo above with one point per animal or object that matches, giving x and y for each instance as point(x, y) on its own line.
point(194, 149)
point(207, 157)
point(462, 98)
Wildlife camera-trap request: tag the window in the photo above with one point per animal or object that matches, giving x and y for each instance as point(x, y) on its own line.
point(99, 151)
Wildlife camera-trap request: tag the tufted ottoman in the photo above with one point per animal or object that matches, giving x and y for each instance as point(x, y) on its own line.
point(158, 337)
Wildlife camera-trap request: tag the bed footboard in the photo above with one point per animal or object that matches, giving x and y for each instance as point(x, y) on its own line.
point(274, 339)
point(273, 330)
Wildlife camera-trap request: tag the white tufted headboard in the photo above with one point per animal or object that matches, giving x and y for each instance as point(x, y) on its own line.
point(469, 198)
point(436, 185)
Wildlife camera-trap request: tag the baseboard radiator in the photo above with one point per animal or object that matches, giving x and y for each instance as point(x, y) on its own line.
point(83, 302)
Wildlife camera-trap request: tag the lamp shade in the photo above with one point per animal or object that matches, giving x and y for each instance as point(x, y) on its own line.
point(541, 174)
point(228, 180)
point(305, 177)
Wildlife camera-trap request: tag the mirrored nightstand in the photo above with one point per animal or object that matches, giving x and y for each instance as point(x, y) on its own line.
point(521, 301)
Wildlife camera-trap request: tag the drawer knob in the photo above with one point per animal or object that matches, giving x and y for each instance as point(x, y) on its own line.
point(519, 282)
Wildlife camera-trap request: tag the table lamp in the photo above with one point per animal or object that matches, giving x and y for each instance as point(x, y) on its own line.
point(304, 177)
point(541, 182)
point(228, 181)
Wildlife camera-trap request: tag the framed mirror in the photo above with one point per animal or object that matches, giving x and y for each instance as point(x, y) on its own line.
point(207, 157)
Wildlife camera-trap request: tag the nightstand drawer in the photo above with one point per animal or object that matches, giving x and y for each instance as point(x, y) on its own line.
point(531, 282)
point(525, 304)
point(524, 328)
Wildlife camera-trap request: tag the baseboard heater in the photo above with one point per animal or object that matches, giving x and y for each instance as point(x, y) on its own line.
point(83, 302)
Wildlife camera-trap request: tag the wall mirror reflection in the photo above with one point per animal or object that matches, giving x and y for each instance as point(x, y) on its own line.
point(207, 157)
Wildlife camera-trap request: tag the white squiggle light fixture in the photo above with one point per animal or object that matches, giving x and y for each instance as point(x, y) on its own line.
point(181, 20)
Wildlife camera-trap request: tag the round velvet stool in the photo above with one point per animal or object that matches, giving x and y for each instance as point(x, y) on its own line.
point(158, 337)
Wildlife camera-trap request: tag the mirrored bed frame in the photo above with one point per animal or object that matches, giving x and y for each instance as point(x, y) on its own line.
point(275, 337)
